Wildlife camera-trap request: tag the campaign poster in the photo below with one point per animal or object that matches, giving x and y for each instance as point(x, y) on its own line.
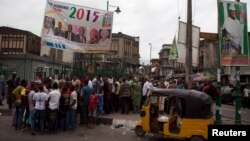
point(76, 28)
point(233, 33)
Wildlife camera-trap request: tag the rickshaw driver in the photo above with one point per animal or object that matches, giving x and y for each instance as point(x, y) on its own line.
point(175, 114)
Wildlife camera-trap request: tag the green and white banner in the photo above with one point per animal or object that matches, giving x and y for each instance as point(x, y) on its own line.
point(233, 33)
point(173, 54)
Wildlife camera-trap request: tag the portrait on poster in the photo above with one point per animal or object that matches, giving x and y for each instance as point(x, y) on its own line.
point(233, 33)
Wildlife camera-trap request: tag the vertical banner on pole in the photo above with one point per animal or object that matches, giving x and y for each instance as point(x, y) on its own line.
point(233, 33)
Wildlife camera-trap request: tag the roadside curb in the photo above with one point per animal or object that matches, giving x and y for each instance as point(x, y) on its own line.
point(129, 124)
point(117, 123)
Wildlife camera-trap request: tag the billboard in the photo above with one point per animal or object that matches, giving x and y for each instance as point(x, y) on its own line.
point(181, 45)
point(233, 34)
point(76, 28)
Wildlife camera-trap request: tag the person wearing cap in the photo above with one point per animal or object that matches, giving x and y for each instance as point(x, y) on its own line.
point(232, 32)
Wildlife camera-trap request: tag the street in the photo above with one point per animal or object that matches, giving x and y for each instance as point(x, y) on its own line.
point(228, 111)
point(99, 133)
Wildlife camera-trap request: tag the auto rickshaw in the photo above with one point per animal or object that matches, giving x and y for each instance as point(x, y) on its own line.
point(176, 113)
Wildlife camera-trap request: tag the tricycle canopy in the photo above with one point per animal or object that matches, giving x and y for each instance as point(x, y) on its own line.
point(195, 104)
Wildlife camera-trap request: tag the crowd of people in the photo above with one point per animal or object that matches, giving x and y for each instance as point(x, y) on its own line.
point(60, 105)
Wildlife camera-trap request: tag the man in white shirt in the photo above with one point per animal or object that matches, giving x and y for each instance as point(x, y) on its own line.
point(146, 87)
point(117, 87)
point(30, 100)
point(53, 99)
point(39, 99)
point(73, 107)
point(90, 83)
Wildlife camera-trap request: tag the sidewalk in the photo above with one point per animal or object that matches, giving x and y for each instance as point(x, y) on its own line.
point(4, 109)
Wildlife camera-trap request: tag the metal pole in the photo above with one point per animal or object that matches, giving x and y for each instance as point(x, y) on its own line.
point(189, 45)
point(25, 65)
point(238, 95)
point(218, 96)
point(53, 67)
point(91, 63)
point(107, 5)
point(150, 51)
point(204, 61)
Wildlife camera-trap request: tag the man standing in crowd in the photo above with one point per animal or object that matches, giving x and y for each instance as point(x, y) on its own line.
point(85, 94)
point(135, 94)
point(40, 100)
point(19, 94)
point(146, 87)
point(12, 84)
point(73, 107)
point(2, 88)
point(125, 94)
point(98, 88)
point(116, 95)
point(53, 99)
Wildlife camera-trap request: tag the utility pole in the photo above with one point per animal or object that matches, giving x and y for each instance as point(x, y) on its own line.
point(107, 5)
point(218, 96)
point(189, 45)
point(150, 52)
point(238, 95)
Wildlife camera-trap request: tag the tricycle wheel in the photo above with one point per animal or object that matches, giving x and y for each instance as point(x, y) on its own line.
point(139, 131)
point(197, 138)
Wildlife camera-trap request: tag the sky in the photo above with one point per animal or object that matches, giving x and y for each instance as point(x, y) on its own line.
point(154, 21)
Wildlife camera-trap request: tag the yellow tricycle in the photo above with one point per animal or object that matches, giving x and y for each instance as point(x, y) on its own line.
point(176, 113)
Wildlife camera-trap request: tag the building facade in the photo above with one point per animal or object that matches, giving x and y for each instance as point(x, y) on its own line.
point(20, 52)
point(121, 59)
point(208, 60)
point(166, 65)
point(125, 53)
point(155, 68)
point(57, 54)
